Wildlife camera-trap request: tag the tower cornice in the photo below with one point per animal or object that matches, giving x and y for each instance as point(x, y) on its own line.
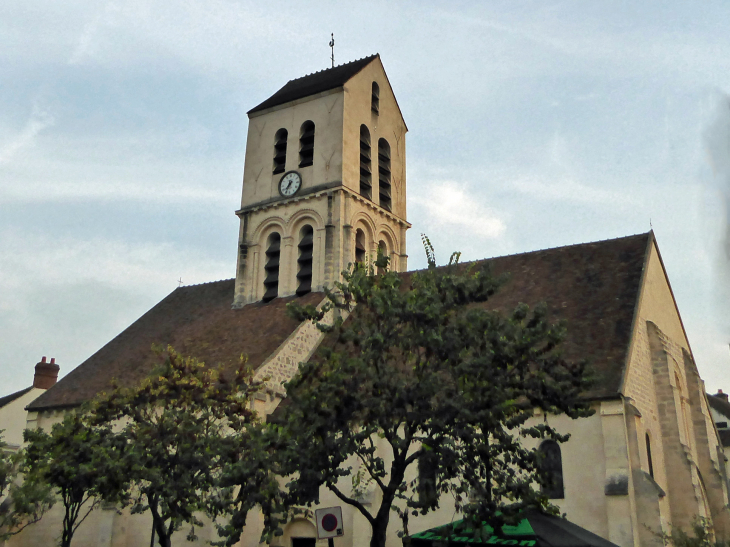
point(317, 191)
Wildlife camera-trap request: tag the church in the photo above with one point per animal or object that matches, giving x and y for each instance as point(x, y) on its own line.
point(324, 185)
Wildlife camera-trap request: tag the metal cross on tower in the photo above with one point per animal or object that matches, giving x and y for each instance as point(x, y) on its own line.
point(332, 45)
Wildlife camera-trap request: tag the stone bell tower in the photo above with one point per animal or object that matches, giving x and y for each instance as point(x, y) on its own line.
point(324, 183)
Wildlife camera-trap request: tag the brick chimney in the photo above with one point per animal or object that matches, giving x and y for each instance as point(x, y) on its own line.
point(46, 374)
point(721, 395)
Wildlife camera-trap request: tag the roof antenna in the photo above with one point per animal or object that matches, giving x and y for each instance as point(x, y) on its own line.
point(179, 282)
point(332, 45)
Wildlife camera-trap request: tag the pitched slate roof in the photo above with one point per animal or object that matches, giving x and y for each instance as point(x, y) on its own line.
point(10, 398)
point(311, 84)
point(594, 288)
point(719, 404)
point(197, 321)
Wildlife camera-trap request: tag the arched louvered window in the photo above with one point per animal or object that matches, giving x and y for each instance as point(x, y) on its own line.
point(360, 251)
point(273, 253)
point(648, 456)
point(552, 470)
point(375, 99)
point(382, 250)
point(280, 150)
point(366, 177)
point(306, 144)
point(304, 262)
point(384, 174)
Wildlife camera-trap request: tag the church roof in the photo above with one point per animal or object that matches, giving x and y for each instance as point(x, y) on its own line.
point(197, 321)
point(593, 287)
point(311, 84)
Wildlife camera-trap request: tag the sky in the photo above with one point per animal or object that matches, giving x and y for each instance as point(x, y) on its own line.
point(532, 124)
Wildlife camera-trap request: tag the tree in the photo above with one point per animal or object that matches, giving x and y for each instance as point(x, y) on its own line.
point(418, 372)
point(23, 501)
point(79, 462)
point(250, 478)
point(701, 535)
point(182, 426)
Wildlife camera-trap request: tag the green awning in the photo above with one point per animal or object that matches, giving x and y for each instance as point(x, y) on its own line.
point(521, 535)
point(535, 530)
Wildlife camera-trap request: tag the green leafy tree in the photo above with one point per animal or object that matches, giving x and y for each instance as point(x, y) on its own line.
point(418, 372)
point(79, 462)
point(250, 478)
point(701, 535)
point(22, 501)
point(182, 426)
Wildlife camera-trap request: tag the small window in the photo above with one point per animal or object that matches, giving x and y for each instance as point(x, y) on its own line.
point(366, 177)
point(360, 251)
point(375, 99)
point(648, 456)
point(280, 150)
point(306, 144)
point(271, 281)
point(551, 467)
point(384, 174)
point(304, 262)
point(721, 425)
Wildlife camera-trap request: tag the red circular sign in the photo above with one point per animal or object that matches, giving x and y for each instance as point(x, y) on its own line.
point(329, 522)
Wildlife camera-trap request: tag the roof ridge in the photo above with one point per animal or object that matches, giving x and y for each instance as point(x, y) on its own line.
point(568, 245)
point(204, 283)
point(314, 83)
point(549, 249)
point(373, 56)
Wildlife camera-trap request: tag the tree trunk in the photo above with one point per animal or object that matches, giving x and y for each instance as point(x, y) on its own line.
point(380, 526)
point(68, 525)
point(163, 537)
point(380, 529)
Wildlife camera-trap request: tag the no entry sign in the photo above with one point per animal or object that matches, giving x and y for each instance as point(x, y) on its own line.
point(329, 522)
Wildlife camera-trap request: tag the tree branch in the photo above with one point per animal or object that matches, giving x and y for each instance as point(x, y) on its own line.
point(370, 471)
point(352, 501)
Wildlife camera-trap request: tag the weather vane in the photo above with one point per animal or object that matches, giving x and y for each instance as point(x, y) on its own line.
point(332, 45)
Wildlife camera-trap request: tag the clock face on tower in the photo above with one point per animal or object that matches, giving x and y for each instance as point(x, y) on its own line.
point(290, 184)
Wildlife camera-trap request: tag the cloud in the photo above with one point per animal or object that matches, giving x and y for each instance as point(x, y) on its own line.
point(65, 297)
point(38, 121)
point(450, 205)
point(566, 190)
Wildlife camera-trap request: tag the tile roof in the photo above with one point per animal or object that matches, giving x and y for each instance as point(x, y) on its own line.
point(10, 398)
point(593, 287)
point(719, 404)
point(197, 321)
point(311, 84)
